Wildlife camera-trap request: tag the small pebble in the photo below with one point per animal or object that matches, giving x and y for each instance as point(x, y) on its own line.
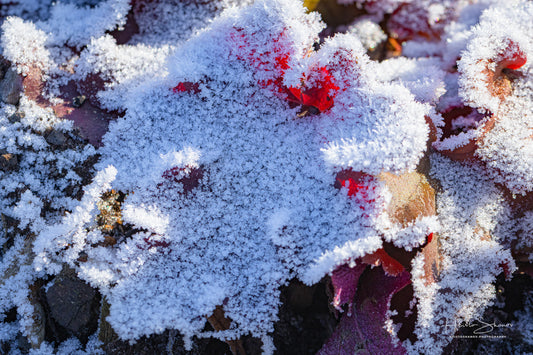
point(8, 161)
point(16, 117)
point(56, 138)
point(11, 87)
point(78, 101)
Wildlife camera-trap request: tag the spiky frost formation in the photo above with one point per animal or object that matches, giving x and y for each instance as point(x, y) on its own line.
point(37, 184)
point(473, 252)
point(232, 136)
point(496, 75)
point(262, 206)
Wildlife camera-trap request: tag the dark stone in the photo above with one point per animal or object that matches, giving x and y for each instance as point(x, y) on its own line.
point(73, 191)
point(56, 138)
point(303, 326)
point(4, 67)
point(23, 343)
point(300, 296)
point(83, 257)
point(169, 342)
point(73, 304)
point(8, 161)
point(16, 117)
point(252, 346)
point(10, 315)
point(11, 87)
point(78, 101)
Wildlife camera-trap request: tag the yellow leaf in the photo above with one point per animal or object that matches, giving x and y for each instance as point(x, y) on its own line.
point(311, 4)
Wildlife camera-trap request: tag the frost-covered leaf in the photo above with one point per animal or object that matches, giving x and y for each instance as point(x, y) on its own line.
point(472, 252)
point(265, 206)
point(494, 123)
point(247, 153)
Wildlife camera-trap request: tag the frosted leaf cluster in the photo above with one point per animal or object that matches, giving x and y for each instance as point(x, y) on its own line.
point(233, 124)
point(266, 178)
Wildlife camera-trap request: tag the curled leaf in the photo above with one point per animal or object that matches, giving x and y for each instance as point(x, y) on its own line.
point(390, 265)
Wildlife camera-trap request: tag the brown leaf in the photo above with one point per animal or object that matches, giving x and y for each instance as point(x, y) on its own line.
point(432, 260)
point(311, 4)
point(413, 197)
point(220, 322)
point(335, 14)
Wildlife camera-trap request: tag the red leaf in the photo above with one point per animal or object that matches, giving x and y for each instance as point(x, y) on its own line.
point(354, 182)
point(187, 86)
point(380, 257)
point(323, 91)
point(188, 177)
point(513, 58)
point(411, 21)
point(506, 270)
point(320, 94)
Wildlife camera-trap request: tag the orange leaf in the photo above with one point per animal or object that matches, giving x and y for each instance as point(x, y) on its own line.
point(380, 257)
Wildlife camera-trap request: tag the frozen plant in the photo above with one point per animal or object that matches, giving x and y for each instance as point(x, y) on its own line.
point(242, 151)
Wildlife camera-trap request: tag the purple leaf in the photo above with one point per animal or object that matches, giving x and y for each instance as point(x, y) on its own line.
point(362, 330)
point(91, 120)
point(344, 280)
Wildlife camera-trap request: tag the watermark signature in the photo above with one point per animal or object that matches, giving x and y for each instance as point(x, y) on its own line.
point(478, 328)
